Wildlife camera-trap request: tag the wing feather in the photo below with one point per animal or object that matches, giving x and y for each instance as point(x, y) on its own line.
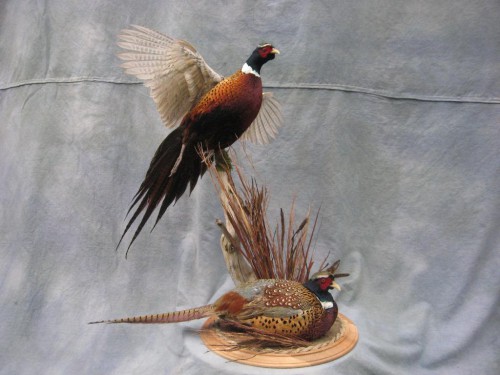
point(265, 126)
point(176, 74)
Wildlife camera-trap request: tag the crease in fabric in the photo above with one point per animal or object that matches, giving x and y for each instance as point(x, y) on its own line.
point(292, 86)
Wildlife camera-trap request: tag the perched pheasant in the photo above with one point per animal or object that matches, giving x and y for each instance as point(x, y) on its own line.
point(206, 110)
point(284, 307)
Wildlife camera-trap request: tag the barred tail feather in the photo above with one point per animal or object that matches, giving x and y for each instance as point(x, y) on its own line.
point(170, 317)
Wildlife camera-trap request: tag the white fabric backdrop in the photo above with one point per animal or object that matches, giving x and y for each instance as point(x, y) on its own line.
point(392, 126)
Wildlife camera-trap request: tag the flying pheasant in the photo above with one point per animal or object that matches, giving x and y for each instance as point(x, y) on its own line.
point(209, 112)
point(284, 307)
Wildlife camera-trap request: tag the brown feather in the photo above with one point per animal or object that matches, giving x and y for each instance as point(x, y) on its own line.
point(215, 123)
point(171, 317)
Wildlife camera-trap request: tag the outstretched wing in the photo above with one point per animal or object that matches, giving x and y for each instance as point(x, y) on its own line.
point(175, 72)
point(265, 127)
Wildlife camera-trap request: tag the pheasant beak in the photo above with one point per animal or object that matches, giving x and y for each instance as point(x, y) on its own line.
point(334, 285)
point(275, 51)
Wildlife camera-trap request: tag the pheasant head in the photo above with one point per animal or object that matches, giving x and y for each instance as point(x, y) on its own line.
point(262, 54)
point(322, 282)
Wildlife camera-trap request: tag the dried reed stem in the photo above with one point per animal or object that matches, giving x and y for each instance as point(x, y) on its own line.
point(273, 252)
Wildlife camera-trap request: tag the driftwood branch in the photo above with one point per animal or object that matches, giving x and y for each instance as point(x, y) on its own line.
point(238, 268)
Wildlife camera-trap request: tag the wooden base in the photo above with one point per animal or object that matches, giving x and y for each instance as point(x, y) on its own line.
point(339, 341)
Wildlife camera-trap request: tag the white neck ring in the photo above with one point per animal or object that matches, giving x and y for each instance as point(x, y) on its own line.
point(247, 69)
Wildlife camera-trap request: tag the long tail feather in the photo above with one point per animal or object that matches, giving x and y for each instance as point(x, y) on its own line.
point(171, 317)
point(160, 185)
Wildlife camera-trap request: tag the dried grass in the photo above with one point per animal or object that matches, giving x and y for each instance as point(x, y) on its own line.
point(279, 251)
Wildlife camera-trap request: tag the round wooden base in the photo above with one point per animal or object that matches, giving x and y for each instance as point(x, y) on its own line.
point(339, 341)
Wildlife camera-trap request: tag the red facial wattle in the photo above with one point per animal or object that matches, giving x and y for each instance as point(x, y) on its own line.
point(325, 283)
point(264, 51)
